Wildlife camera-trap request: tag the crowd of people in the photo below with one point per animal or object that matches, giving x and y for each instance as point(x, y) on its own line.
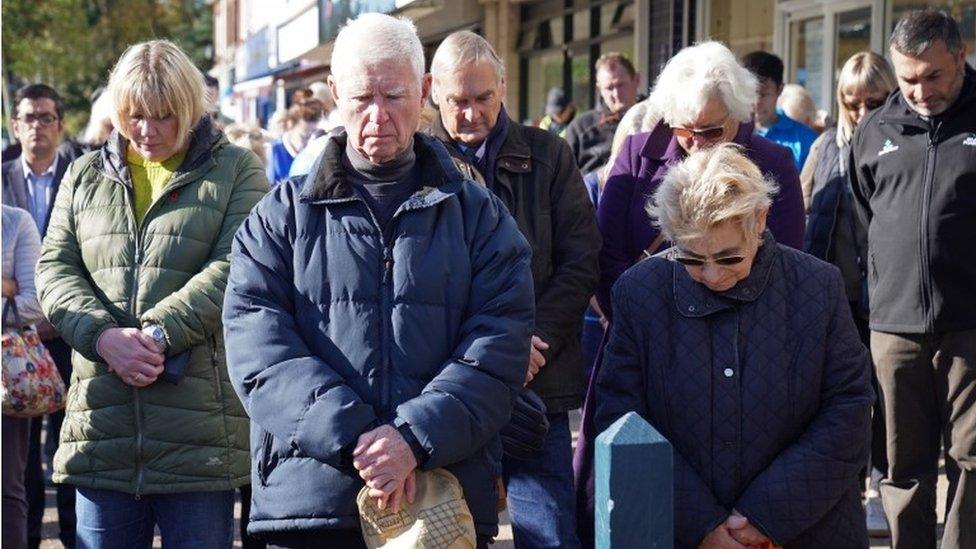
point(400, 288)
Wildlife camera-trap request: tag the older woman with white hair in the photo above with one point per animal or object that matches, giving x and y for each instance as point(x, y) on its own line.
point(741, 351)
point(132, 275)
point(704, 97)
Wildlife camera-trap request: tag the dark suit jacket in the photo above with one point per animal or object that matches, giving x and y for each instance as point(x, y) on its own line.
point(15, 184)
point(15, 194)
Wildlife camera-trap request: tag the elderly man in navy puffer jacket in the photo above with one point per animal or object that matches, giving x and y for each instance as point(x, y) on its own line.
point(378, 312)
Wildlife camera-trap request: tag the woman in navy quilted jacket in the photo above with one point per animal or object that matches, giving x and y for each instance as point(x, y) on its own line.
point(743, 353)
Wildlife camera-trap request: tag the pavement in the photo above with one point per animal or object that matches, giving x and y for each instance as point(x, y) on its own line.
point(503, 541)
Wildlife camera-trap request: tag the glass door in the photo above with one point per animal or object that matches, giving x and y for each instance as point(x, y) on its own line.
point(819, 37)
point(806, 47)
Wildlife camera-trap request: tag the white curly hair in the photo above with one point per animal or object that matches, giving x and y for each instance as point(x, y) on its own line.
point(695, 75)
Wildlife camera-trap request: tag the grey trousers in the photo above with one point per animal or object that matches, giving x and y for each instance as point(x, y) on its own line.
point(14, 463)
point(928, 382)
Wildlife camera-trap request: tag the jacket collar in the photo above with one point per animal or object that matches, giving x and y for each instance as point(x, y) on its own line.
point(695, 300)
point(515, 155)
point(326, 182)
point(897, 111)
point(204, 137)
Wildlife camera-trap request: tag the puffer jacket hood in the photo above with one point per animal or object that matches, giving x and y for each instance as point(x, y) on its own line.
point(204, 138)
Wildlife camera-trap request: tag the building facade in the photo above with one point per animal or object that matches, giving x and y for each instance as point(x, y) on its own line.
point(265, 49)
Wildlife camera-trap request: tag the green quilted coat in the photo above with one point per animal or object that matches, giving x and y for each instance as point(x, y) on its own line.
point(99, 270)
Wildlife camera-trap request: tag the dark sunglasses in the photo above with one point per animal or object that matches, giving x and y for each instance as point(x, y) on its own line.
point(710, 134)
point(695, 262)
point(869, 104)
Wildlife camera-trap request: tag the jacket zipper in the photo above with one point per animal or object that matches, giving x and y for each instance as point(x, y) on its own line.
point(386, 287)
point(264, 459)
point(133, 301)
point(923, 226)
point(133, 306)
point(386, 278)
point(216, 369)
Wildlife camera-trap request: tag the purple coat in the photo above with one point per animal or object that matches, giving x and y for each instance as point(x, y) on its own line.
point(640, 167)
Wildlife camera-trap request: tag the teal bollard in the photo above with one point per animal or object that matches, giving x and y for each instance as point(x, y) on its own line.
point(634, 486)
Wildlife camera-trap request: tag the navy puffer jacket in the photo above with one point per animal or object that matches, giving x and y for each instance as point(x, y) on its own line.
point(764, 391)
point(331, 331)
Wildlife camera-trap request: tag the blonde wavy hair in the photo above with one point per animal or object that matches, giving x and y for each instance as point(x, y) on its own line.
point(707, 188)
point(156, 79)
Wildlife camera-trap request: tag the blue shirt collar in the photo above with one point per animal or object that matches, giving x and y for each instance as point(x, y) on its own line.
point(47, 176)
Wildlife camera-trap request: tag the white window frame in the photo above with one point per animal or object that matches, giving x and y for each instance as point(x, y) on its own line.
point(790, 11)
point(786, 12)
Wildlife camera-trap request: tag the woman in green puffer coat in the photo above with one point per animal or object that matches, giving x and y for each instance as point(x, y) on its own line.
point(132, 275)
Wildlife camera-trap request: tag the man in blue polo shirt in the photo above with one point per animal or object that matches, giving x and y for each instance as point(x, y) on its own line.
point(772, 123)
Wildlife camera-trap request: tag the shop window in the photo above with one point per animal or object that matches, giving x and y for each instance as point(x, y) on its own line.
point(544, 71)
point(621, 44)
point(853, 35)
point(807, 57)
point(743, 25)
point(616, 17)
point(582, 89)
point(560, 51)
point(581, 24)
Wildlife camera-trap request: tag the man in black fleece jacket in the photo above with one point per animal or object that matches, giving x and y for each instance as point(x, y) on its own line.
point(913, 171)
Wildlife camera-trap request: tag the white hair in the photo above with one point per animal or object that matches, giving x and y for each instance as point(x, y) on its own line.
point(698, 73)
point(461, 49)
point(796, 102)
point(373, 38)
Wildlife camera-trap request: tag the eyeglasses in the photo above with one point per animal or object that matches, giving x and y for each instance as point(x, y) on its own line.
point(696, 262)
point(710, 134)
point(45, 119)
point(870, 104)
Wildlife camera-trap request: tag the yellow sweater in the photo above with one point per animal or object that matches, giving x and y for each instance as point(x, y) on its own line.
point(149, 179)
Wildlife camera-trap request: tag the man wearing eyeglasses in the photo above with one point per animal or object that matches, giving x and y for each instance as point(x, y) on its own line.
point(30, 182)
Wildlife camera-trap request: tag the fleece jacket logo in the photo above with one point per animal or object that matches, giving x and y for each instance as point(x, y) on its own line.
point(888, 147)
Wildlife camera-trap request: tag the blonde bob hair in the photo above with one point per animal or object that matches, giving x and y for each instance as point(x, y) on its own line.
point(707, 188)
point(156, 79)
point(865, 72)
